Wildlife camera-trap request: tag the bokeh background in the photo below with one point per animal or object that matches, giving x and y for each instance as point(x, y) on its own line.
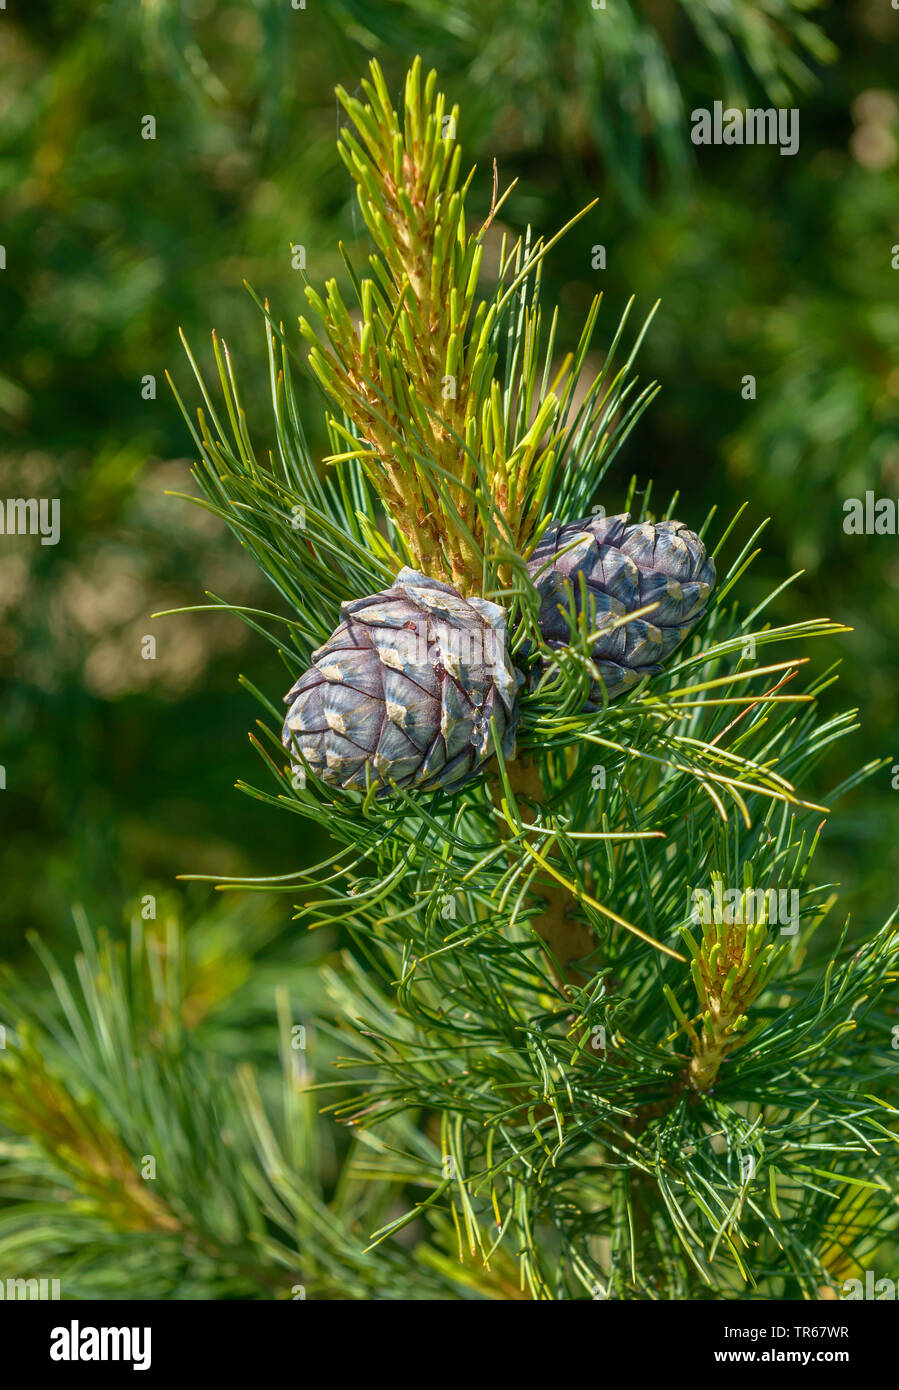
point(120, 770)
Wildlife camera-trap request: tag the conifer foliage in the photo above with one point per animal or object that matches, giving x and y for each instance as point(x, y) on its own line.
point(580, 1040)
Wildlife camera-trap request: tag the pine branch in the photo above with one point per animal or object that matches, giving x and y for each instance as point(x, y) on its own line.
point(463, 463)
point(730, 969)
point(502, 1045)
point(141, 1154)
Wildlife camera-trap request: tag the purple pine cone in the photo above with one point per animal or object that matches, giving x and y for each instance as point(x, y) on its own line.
point(624, 568)
point(404, 689)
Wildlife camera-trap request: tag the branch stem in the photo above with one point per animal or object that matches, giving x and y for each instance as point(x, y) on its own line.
point(569, 942)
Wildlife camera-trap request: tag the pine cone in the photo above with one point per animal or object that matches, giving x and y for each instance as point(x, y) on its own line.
point(625, 568)
point(404, 690)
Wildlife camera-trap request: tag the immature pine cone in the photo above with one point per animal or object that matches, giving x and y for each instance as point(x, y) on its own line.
point(625, 568)
point(405, 688)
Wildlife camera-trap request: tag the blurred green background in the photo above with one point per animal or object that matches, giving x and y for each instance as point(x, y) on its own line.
point(120, 770)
